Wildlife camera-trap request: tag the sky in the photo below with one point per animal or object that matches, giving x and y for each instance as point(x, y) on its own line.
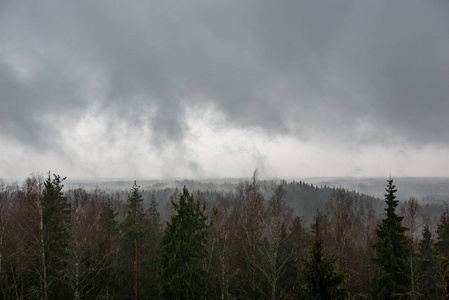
point(215, 89)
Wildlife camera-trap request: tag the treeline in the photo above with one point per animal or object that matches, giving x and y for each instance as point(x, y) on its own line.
point(248, 243)
point(305, 199)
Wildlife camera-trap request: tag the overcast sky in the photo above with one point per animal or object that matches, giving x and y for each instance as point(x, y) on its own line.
point(198, 89)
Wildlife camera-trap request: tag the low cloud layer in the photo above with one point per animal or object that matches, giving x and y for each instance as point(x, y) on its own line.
point(136, 79)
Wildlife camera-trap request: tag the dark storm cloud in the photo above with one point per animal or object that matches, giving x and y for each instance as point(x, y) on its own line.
point(398, 57)
point(301, 67)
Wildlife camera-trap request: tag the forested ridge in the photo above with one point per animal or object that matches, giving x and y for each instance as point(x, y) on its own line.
point(250, 240)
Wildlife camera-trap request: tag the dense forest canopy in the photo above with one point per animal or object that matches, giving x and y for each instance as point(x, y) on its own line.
point(247, 239)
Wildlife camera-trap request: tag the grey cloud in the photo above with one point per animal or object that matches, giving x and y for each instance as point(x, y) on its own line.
point(396, 60)
point(28, 109)
point(302, 68)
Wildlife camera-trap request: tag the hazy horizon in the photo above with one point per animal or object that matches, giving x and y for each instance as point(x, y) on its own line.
point(205, 179)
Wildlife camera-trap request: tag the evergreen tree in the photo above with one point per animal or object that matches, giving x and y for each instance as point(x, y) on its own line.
point(442, 244)
point(107, 246)
point(184, 249)
point(150, 256)
point(320, 280)
point(56, 229)
point(392, 251)
point(154, 217)
point(443, 270)
point(442, 248)
point(427, 266)
point(297, 239)
point(134, 229)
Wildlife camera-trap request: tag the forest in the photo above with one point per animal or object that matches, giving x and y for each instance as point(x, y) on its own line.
point(251, 240)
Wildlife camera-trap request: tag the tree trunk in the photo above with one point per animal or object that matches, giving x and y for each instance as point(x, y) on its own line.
point(42, 246)
point(136, 289)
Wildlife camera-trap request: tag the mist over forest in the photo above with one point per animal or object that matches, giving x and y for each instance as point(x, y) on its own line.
point(240, 238)
point(158, 112)
point(424, 189)
point(306, 195)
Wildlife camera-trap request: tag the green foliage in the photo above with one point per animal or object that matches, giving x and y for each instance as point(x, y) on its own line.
point(392, 251)
point(151, 251)
point(442, 244)
point(427, 265)
point(56, 217)
point(184, 249)
point(319, 279)
point(443, 270)
point(134, 231)
point(87, 254)
point(107, 243)
point(154, 217)
point(134, 223)
point(56, 228)
point(108, 226)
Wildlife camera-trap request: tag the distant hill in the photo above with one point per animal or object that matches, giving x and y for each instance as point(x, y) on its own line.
point(425, 190)
point(305, 198)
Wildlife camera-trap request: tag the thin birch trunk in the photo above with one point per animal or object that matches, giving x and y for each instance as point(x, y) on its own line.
point(42, 246)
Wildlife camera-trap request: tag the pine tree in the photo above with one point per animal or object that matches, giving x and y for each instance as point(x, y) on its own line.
point(392, 251)
point(134, 229)
point(184, 249)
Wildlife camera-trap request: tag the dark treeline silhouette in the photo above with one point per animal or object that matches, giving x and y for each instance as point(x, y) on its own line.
point(252, 240)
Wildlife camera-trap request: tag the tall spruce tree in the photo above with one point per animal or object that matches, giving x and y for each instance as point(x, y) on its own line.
point(150, 256)
point(184, 250)
point(320, 279)
point(427, 266)
point(392, 251)
point(442, 250)
point(108, 229)
point(56, 229)
point(442, 244)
